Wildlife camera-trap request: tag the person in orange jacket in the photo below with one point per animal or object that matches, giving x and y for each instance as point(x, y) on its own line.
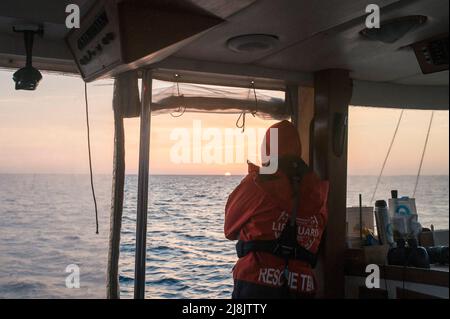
point(278, 220)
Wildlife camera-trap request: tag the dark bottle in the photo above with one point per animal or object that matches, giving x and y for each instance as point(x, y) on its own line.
point(397, 256)
point(385, 233)
point(411, 256)
point(438, 255)
point(394, 193)
point(418, 256)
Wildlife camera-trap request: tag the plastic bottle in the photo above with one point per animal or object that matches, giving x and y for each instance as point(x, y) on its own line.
point(382, 212)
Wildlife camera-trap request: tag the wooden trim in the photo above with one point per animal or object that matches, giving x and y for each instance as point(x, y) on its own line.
point(228, 74)
point(143, 176)
point(409, 274)
point(333, 91)
point(60, 67)
point(410, 294)
point(305, 116)
point(118, 182)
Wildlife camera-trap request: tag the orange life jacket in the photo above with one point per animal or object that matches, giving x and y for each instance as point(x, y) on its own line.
point(259, 209)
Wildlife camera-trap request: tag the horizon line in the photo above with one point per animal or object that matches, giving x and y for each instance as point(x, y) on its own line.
point(199, 174)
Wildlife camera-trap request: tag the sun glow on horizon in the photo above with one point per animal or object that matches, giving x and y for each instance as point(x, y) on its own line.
point(38, 135)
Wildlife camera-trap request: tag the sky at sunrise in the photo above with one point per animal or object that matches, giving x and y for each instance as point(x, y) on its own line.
point(45, 132)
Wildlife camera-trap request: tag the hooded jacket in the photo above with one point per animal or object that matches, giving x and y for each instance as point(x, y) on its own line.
point(260, 207)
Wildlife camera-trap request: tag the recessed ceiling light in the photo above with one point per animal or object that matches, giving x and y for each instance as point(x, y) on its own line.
point(392, 30)
point(251, 43)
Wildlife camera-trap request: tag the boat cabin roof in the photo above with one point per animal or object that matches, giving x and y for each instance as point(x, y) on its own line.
point(311, 36)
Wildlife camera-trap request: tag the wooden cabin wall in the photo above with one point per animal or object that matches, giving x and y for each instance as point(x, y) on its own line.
point(319, 111)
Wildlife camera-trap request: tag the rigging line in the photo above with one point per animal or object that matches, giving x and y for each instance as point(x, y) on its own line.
point(213, 112)
point(256, 99)
point(242, 116)
point(423, 153)
point(387, 155)
point(242, 126)
point(181, 109)
point(90, 157)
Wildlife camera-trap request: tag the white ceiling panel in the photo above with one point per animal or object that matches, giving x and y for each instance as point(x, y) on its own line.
point(344, 47)
point(313, 35)
point(291, 21)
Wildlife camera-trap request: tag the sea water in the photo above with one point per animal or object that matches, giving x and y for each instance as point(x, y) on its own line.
point(47, 223)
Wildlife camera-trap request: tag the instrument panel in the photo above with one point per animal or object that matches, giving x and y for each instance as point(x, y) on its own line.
point(117, 36)
point(432, 54)
point(96, 45)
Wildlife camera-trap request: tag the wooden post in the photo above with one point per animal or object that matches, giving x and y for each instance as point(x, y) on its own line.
point(112, 286)
point(126, 103)
point(291, 98)
point(305, 116)
point(142, 204)
point(333, 90)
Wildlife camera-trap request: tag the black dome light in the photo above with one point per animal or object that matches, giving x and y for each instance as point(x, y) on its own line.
point(28, 77)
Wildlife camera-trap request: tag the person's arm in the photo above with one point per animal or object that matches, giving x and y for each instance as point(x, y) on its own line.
point(237, 209)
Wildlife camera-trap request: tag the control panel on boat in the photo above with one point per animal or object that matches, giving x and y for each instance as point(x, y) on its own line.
point(96, 45)
point(117, 36)
point(432, 54)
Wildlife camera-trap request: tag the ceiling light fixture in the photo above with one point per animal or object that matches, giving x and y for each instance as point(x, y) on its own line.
point(252, 43)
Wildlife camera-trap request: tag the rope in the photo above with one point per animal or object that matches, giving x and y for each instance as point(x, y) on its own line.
point(423, 153)
point(181, 109)
point(242, 126)
point(387, 155)
point(90, 156)
point(256, 99)
point(243, 114)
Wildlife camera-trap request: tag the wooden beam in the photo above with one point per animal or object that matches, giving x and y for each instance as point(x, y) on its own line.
point(142, 204)
point(304, 122)
point(112, 275)
point(432, 277)
point(291, 99)
point(228, 74)
point(333, 90)
point(59, 67)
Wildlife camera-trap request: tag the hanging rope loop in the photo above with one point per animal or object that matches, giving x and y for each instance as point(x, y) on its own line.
point(256, 99)
point(240, 122)
point(181, 109)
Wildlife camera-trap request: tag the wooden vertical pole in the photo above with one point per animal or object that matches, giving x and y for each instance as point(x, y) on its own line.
point(112, 286)
point(126, 103)
point(333, 90)
point(292, 100)
point(142, 204)
point(305, 118)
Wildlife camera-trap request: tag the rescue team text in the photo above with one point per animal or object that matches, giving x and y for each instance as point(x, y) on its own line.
point(275, 277)
point(230, 309)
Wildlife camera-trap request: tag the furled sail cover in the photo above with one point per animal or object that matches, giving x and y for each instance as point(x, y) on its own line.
point(174, 97)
